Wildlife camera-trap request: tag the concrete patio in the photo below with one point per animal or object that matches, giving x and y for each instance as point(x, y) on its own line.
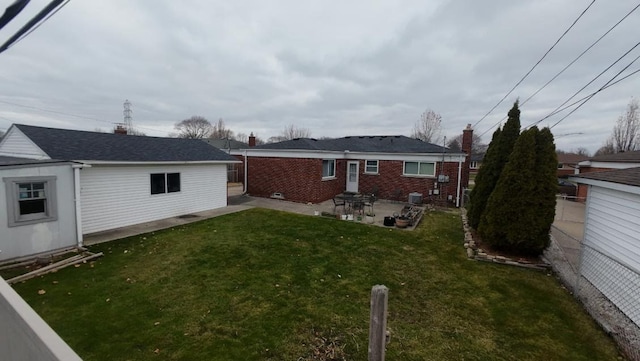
point(238, 202)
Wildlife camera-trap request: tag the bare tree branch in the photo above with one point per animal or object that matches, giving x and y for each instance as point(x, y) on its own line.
point(196, 127)
point(626, 133)
point(290, 132)
point(220, 131)
point(428, 127)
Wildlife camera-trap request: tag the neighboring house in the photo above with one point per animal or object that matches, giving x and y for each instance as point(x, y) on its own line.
point(72, 183)
point(226, 145)
point(606, 162)
point(392, 167)
point(475, 162)
point(568, 163)
point(611, 245)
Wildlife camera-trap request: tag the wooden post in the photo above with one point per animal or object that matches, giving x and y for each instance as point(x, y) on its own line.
point(378, 322)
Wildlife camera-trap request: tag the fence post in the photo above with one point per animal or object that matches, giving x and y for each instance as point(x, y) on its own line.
point(378, 322)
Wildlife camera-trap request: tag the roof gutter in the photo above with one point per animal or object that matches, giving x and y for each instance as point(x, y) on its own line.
point(108, 162)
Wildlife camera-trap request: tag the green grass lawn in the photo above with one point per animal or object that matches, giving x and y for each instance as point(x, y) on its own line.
point(268, 285)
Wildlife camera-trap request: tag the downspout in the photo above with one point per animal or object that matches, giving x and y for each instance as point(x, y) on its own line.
point(246, 168)
point(76, 187)
point(459, 184)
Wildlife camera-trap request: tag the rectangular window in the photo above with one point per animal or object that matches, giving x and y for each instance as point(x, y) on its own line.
point(473, 165)
point(371, 166)
point(560, 165)
point(426, 169)
point(328, 168)
point(165, 183)
point(30, 200)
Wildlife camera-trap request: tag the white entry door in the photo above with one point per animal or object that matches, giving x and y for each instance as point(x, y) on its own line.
point(352, 176)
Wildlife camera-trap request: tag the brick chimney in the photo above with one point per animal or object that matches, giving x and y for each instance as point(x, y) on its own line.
point(252, 140)
point(120, 129)
point(467, 143)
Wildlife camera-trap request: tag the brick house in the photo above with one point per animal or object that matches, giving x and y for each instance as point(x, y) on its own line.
point(568, 163)
point(392, 167)
point(604, 163)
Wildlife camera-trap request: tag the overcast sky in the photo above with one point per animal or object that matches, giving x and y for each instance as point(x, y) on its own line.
point(335, 67)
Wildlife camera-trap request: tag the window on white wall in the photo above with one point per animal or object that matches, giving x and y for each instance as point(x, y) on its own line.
point(328, 168)
point(426, 169)
point(165, 183)
point(31, 200)
point(371, 166)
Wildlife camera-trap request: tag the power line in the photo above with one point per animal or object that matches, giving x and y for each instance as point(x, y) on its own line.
point(68, 114)
point(585, 97)
point(536, 64)
point(34, 23)
point(586, 85)
point(596, 92)
point(567, 66)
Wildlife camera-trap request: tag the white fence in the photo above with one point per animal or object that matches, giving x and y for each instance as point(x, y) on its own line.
point(24, 335)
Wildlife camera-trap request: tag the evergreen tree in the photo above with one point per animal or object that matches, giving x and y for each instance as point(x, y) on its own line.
point(510, 210)
point(521, 208)
point(493, 164)
point(546, 188)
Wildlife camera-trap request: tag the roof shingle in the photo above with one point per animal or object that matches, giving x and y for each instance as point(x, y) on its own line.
point(82, 145)
point(628, 176)
point(377, 144)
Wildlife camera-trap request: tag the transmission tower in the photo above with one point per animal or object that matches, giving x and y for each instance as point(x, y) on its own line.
point(128, 123)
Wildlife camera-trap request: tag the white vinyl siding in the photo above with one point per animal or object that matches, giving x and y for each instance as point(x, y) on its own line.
point(613, 230)
point(33, 237)
point(118, 196)
point(16, 144)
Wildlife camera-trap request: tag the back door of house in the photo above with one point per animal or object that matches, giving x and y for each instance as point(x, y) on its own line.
point(352, 176)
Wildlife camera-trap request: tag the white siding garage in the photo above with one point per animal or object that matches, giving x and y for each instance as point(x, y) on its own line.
point(611, 250)
point(118, 196)
point(25, 230)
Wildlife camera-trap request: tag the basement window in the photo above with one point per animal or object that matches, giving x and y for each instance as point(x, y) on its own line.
point(30, 200)
point(165, 183)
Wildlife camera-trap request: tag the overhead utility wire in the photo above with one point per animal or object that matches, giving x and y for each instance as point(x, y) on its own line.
point(596, 92)
point(12, 11)
point(586, 85)
point(69, 114)
point(569, 65)
point(536, 64)
point(31, 23)
point(40, 23)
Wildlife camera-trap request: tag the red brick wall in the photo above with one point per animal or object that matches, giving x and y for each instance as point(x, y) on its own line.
point(300, 180)
point(583, 188)
point(391, 184)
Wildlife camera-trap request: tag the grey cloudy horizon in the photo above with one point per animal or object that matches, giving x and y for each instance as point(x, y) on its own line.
point(335, 68)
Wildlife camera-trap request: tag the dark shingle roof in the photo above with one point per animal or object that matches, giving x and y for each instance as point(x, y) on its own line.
point(13, 161)
point(82, 145)
point(628, 176)
point(226, 143)
point(377, 144)
point(632, 157)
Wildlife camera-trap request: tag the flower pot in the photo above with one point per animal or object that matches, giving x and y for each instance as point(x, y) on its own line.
point(369, 219)
point(402, 222)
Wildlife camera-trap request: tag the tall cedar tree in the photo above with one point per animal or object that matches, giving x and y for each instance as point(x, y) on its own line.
point(546, 188)
point(511, 208)
point(492, 165)
point(521, 209)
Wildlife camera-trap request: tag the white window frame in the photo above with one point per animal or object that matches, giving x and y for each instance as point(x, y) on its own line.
point(367, 166)
point(14, 217)
point(473, 164)
point(166, 183)
point(419, 163)
point(329, 176)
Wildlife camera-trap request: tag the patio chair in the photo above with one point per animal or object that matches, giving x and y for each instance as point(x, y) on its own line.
point(339, 202)
point(369, 201)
